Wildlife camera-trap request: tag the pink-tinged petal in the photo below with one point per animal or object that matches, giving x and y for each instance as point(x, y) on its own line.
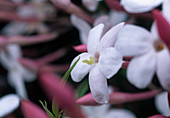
point(90, 4)
point(110, 61)
point(163, 68)
point(140, 6)
point(55, 68)
point(53, 56)
point(30, 110)
point(82, 26)
point(118, 97)
point(120, 113)
point(161, 103)
point(81, 48)
point(94, 38)
point(81, 69)
point(110, 37)
point(71, 8)
point(132, 44)
point(63, 94)
point(27, 40)
point(142, 69)
point(125, 64)
point(163, 27)
point(166, 9)
point(8, 104)
point(158, 116)
point(114, 4)
point(98, 85)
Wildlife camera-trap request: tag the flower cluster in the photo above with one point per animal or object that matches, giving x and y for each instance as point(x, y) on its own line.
point(115, 51)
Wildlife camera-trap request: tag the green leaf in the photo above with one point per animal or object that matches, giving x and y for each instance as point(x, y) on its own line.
point(82, 88)
point(55, 108)
point(66, 75)
point(44, 105)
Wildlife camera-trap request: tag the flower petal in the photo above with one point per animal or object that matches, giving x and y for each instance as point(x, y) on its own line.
point(120, 113)
point(141, 69)
point(95, 111)
point(133, 40)
point(117, 17)
point(139, 6)
point(98, 85)
point(90, 4)
point(161, 102)
point(94, 38)
point(166, 9)
point(82, 26)
point(81, 69)
point(8, 104)
point(163, 68)
point(110, 37)
point(110, 62)
point(16, 80)
point(14, 51)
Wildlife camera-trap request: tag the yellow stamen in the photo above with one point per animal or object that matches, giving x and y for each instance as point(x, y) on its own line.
point(89, 62)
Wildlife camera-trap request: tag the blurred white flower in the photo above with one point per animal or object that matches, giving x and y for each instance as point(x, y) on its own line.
point(17, 74)
point(150, 55)
point(161, 103)
point(109, 21)
point(102, 61)
point(140, 6)
point(8, 104)
point(91, 4)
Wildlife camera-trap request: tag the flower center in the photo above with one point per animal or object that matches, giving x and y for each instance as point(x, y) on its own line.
point(96, 56)
point(158, 45)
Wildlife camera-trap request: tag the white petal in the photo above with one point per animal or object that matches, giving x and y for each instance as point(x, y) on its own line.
point(14, 51)
point(15, 79)
point(27, 74)
point(8, 104)
point(94, 38)
point(90, 4)
point(161, 102)
point(110, 37)
point(105, 20)
point(139, 6)
point(110, 62)
point(95, 111)
point(98, 85)
point(133, 40)
point(166, 9)
point(117, 17)
point(5, 60)
point(120, 113)
point(82, 26)
point(141, 70)
point(81, 69)
point(163, 68)
point(154, 31)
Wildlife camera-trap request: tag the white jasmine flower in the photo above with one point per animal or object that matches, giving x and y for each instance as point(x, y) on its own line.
point(161, 102)
point(150, 55)
point(140, 6)
point(103, 111)
point(109, 21)
point(8, 104)
point(102, 61)
point(17, 74)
